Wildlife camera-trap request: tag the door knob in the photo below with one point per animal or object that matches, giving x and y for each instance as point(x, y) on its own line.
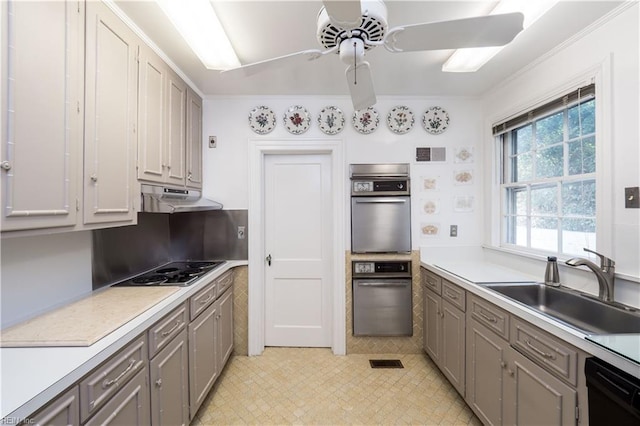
point(269, 260)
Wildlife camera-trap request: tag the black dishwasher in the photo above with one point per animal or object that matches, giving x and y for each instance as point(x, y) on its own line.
point(614, 395)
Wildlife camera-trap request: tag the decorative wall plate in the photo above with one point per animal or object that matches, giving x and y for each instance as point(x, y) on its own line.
point(365, 121)
point(331, 120)
point(435, 120)
point(262, 120)
point(297, 120)
point(400, 120)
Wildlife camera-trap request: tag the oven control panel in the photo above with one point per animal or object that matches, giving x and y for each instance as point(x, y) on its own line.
point(380, 187)
point(382, 268)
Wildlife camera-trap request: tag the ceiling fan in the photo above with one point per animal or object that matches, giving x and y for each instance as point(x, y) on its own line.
point(351, 27)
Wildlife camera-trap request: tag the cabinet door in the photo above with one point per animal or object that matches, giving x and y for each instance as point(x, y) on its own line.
point(225, 327)
point(176, 129)
point(169, 384)
point(535, 397)
point(203, 370)
point(110, 117)
point(151, 116)
point(65, 410)
point(432, 324)
point(452, 357)
point(130, 406)
point(42, 83)
point(485, 362)
point(194, 140)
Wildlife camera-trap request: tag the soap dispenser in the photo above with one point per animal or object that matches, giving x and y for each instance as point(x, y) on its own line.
point(551, 275)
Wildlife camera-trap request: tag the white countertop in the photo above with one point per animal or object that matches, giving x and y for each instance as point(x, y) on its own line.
point(470, 276)
point(33, 376)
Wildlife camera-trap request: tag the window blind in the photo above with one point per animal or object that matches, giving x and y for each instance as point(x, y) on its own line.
point(573, 97)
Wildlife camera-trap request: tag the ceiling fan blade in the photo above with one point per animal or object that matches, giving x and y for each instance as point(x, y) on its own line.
point(344, 13)
point(360, 84)
point(481, 31)
point(292, 58)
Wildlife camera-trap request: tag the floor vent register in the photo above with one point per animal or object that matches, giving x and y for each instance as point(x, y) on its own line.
point(385, 363)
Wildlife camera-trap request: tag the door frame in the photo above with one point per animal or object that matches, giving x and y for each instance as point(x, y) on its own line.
point(258, 149)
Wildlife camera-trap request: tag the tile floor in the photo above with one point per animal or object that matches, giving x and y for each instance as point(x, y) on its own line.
point(314, 387)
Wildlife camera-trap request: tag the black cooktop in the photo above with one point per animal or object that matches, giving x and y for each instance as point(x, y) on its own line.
point(181, 273)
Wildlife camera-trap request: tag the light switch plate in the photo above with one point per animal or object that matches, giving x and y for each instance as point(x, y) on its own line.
point(453, 230)
point(632, 198)
point(213, 141)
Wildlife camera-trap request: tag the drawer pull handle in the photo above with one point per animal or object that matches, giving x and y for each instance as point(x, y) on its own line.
point(451, 295)
point(538, 351)
point(487, 317)
point(108, 383)
point(205, 301)
point(168, 332)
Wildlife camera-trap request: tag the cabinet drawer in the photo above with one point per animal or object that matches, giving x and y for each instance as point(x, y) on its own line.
point(489, 315)
point(105, 380)
point(224, 282)
point(129, 406)
point(202, 299)
point(558, 357)
point(164, 330)
point(454, 294)
point(432, 281)
point(64, 410)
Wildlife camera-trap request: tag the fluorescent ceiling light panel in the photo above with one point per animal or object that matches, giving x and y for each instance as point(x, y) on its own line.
point(199, 25)
point(472, 59)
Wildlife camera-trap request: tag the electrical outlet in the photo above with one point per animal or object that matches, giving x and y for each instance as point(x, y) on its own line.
point(213, 141)
point(241, 233)
point(453, 231)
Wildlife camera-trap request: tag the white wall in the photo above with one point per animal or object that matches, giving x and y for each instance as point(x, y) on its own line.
point(610, 51)
point(226, 167)
point(43, 272)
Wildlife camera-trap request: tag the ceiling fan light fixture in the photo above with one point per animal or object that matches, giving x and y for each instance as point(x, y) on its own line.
point(200, 27)
point(472, 59)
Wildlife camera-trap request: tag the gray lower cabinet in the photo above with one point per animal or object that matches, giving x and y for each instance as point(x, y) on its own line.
point(505, 387)
point(203, 369)
point(129, 406)
point(64, 410)
point(485, 362)
point(444, 330)
point(225, 327)
point(169, 377)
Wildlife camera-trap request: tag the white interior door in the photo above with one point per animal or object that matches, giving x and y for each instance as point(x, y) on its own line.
point(298, 242)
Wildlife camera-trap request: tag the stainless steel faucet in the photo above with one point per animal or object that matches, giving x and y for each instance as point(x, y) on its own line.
point(605, 273)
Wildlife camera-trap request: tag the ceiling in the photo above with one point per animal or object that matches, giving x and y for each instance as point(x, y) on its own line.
point(264, 29)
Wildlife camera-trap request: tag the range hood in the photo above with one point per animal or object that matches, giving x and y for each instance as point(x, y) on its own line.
point(165, 199)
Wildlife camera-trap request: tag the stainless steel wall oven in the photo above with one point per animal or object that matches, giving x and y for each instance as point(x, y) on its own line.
point(382, 298)
point(380, 208)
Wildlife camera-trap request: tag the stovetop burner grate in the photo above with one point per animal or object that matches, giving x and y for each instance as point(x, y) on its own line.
point(181, 273)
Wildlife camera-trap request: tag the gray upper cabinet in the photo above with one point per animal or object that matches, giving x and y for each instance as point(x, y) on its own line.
point(152, 116)
point(42, 88)
point(194, 140)
point(110, 185)
point(176, 130)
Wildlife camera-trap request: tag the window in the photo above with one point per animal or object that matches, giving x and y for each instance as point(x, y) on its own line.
point(548, 186)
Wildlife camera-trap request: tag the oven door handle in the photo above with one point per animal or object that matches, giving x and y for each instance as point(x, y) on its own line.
point(383, 284)
point(381, 201)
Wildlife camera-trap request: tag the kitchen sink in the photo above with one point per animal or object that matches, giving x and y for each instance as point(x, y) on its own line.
point(579, 310)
